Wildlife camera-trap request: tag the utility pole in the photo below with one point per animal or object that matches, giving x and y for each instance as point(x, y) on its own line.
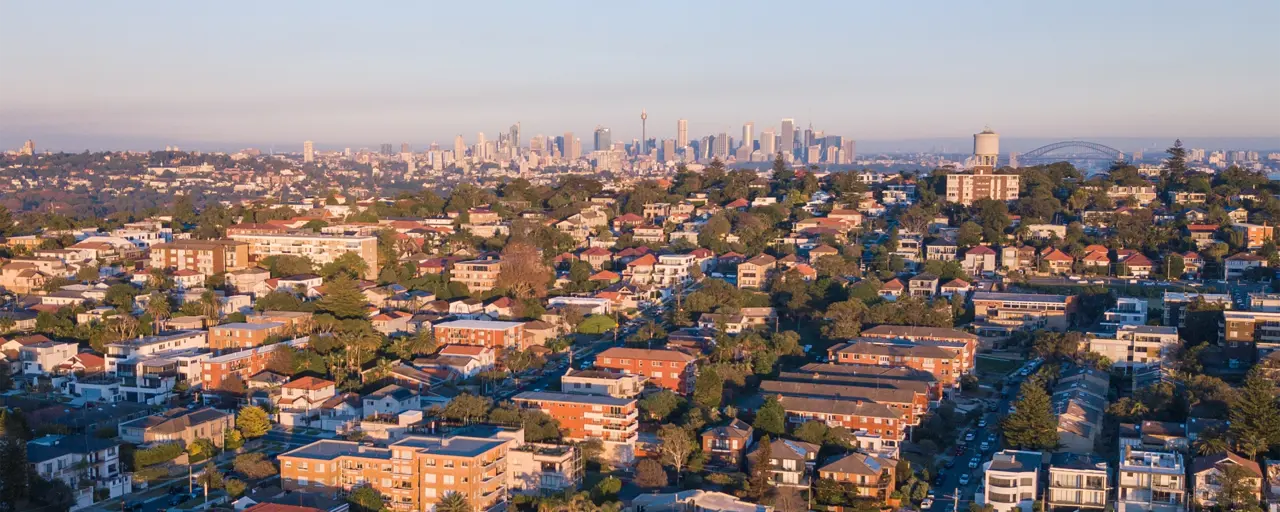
point(955, 500)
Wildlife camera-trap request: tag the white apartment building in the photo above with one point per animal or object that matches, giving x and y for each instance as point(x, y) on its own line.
point(1012, 480)
point(587, 305)
point(1077, 482)
point(149, 345)
point(42, 358)
point(321, 249)
point(602, 383)
point(1152, 481)
point(673, 269)
point(1127, 311)
point(85, 463)
point(1136, 346)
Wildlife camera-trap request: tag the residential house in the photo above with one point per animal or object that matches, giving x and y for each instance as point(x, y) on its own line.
point(979, 260)
point(1077, 482)
point(754, 273)
point(870, 476)
point(791, 462)
point(1151, 481)
point(1207, 477)
point(389, 400)
point(726, 445)
point(1058, 262)
point(602, 382)
point(300, 400)
point(1236, 265)
point(89, 465)
point(892, 289)
point(179, 425)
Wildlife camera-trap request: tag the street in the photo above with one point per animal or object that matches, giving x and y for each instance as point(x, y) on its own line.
point(950, 485)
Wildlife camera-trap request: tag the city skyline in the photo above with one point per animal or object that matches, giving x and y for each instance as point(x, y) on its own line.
point(929, 73)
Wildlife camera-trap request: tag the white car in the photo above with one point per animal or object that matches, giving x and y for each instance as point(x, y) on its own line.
point(928, 502)
point(968, 437)
point(982, 422)
point(973, 463)
point(964, 479)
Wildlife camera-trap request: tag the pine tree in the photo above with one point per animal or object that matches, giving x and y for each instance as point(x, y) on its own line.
point(1032, 426)
point(342, 299)
point(1254, 414)
point(761, 470)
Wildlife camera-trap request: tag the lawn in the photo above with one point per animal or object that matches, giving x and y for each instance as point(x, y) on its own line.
point(989, 365)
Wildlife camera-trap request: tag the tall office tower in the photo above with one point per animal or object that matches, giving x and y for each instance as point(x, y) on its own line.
point(768, 143)
point(682, 133)
point(788, 136)
point(558, 145)
point(480, 139)
point(668, 150)
point(748, 135)
point(515, 135)
point(848, 147)
point(28, 148)
point(833, 155)
point(386, 150)
point(405, 148)
point(808, 136)
point(308, 152)
point(566, 147)
point(813, 154)
point(721, 146)
point(346, 152)
point(435, 146)
point(603, 139)
point(575, 150)
point(459, 148)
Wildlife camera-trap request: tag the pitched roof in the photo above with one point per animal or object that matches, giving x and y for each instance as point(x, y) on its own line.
point(308, 383)
point(981, 250)
point(1207, 462)
point(646, 354)
point(857, 464)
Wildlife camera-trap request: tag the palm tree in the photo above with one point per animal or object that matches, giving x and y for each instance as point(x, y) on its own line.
point(1211, 442)
point(158, 308)
point(453, 502)
point(210, 307)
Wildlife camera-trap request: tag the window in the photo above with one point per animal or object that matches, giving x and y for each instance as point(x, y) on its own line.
point(448, 479)
point(430, 478)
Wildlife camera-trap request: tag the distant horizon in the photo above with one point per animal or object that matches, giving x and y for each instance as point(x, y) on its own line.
point(950, 145)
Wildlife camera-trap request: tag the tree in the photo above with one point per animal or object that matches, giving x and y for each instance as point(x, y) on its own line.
point(1254, 414)
point(467, 407)
point(365, 499)
point(343, 299)
point(1236, 488)
point(209, 306)
point(1176, 164)
point(121, 296)
point(844, 319)
point(235, 487)
point(650, 475)
point(159, 309)
point(14, 475)
point(708, 390)
point(1032, 426)
point(970, 234)
point(606, 489)
point(254, 465)
point(658, 406)
point(253, 422)
point(772, 417)
point(200, 449)
point(348, 264)
point(523, 272)
point(677, 445)
point(211, 478)
point(812, 432)
point(286, 265)
point(1211, 441)
point(453, 502)
point(87, 273)
point(761, 480)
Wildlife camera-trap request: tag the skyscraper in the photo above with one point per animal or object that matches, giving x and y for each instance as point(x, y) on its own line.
point(749, 135)
point(682, 133)
point(385, 150)
point(603, 139)
point(721, 146)
point(767, 143)
point(668, 150)
point(405, 148)
point(788, 136)
point(515, 135)
point(459, 148)
point(28, 148)
point(308, 152)
point(848, 147)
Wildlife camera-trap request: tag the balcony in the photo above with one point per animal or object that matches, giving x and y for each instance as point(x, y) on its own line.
point(1000, 482)
point(1002, 498)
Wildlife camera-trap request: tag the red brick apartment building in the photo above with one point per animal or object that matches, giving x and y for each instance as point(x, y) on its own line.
point(486, 333)
point(946, 365)
point(668, 369)
point(615, 421)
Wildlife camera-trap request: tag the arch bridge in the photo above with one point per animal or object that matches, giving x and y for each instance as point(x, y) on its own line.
point(1078, 150)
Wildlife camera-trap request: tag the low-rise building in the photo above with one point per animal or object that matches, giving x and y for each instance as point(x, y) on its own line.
point(1012, 480)
point(242, 335)
point(486, 333)
point(615, 421)
point(539, 468)
point(478, 275)
point(1207, 477)
point(1136, 346)
point(207, 257)
point(791, 462)
point(668, 369)
point(179, 425)
point(726, 445)
point(1077, 482)
point(870, 476)
point(878, 419)
point(754, 273)
point(602, 382)
point(1152, 481)
point(1005, 312)
point(87, 464)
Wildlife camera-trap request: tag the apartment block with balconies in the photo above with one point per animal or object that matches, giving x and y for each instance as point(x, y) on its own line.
point(1012, 480)
point(615, 421)
point(1151, 481)
point(321, 249)
point(413, 473)
point(1242, 334)
point(1077, 482)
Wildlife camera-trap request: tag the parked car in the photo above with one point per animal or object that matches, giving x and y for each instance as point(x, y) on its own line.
point(964, 479)
point(973, 463)
point(968, 437)
point(986, 446)
point(982, 422)
point(926, 503)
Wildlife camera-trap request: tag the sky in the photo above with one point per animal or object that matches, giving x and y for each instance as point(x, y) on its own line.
point(225, 75)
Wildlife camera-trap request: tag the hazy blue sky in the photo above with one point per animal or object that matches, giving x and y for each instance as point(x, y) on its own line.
point(83, 74)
